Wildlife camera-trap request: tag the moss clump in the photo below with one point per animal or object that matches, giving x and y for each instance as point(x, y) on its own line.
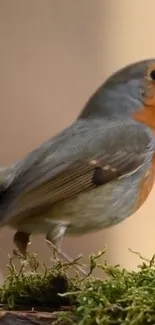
point(28, 287)
point(123, 298)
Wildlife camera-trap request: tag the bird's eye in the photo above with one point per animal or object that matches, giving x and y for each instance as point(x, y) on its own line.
point(152, 75)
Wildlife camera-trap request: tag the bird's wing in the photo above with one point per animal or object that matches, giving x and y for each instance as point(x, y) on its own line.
point(79, 159)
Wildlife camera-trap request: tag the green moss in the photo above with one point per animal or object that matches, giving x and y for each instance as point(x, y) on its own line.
point(28, 287)
point(122, 298)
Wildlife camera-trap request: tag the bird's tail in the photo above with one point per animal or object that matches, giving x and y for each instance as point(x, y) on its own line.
point(6, 178)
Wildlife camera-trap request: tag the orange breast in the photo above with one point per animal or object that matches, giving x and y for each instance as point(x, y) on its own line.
point(146, 184)
point(146, 115)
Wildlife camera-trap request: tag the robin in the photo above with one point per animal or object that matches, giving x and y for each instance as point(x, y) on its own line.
point(93, 174)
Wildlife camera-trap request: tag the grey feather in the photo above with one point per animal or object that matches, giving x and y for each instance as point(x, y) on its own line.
point(118, 144)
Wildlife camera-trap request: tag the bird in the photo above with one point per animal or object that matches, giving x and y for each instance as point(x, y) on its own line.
point(93, 174)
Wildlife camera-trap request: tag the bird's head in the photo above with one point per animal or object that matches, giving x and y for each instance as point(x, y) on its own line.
point(127, 92)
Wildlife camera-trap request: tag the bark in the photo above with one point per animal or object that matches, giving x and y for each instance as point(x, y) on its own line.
point(26, 318)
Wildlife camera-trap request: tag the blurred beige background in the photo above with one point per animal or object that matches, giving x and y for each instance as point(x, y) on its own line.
point(53, 55)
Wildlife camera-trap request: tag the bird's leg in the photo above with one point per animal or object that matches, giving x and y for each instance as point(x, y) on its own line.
point(54, 237)
point(21, 240)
